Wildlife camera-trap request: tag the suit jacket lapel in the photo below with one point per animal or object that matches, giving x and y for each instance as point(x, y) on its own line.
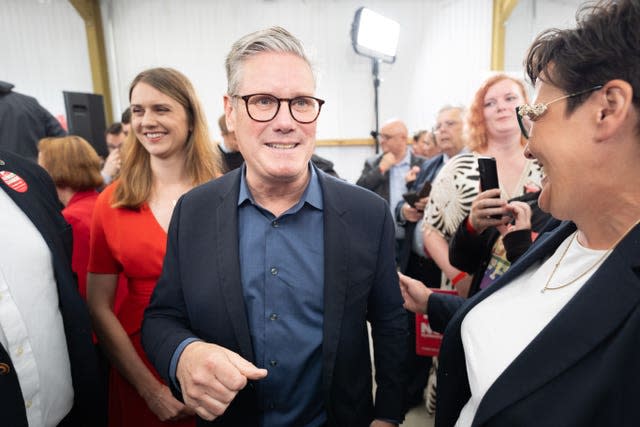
point(336, 275)
point(228, 258)
point(597, 309)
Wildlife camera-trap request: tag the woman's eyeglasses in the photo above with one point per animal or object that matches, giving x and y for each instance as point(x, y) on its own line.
point(529, 113)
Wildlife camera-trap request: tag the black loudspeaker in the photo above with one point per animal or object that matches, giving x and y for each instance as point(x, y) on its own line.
point(85, 118)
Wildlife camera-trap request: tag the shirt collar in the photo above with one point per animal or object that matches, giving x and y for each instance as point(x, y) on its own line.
point(407, 158)
point(312, 194)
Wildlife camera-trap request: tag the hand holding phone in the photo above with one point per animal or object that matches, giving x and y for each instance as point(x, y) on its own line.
point(425, 190)
point(412, 197)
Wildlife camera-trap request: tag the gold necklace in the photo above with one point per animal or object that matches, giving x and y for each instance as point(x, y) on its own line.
point(591, 267)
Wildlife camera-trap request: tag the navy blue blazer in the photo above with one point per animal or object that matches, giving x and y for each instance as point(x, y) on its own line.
point(583, 369)
point(40, 203)
point(200, 294)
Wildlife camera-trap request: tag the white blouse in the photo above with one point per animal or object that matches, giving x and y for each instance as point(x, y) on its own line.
point(499, 328)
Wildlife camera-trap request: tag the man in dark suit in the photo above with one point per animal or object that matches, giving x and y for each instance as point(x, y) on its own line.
point(23, 122)
point(48, 365)
point(273, 270)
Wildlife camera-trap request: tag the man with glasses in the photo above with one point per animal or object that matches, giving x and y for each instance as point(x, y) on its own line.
point(232, 157)
point(273, 270)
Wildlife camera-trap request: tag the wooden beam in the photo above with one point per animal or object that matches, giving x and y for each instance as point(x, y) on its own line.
point(501, 11)
point(344, 142)
point(89, 11)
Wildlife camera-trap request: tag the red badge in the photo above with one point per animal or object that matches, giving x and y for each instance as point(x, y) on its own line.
point(14, 181)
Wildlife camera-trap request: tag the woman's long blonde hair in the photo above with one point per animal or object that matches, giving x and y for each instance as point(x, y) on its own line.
point(202, 163)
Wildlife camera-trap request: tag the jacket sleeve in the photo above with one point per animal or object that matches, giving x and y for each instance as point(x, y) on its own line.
point(389, 331)
point(165, 323)
point(371, 177)
point(466, 249)
point(517, 243)
point(441, 309)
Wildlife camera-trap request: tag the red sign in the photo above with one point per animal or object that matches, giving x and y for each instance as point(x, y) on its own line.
point(14, 181)
point(428, 341)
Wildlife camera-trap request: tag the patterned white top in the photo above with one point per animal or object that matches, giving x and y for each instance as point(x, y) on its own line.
point(455, 187)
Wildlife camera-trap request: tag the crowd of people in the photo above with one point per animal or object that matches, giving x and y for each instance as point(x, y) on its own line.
point(180, 283)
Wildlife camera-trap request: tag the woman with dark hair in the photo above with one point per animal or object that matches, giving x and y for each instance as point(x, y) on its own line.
point(74, 166)
point(556, 341)
point(168, 152)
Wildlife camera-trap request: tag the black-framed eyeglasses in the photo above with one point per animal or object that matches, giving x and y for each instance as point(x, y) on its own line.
point(529, 113)
point(263, 107)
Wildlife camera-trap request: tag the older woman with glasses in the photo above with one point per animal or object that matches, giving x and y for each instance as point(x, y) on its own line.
point(556, 340)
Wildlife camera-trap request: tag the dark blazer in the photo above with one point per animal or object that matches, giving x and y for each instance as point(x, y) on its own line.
point(24, 122)
point(376, 181)
point(200, 294)
point(40, 203)
point(583, 369)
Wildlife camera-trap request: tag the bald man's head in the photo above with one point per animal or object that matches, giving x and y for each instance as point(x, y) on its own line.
point(393, 138)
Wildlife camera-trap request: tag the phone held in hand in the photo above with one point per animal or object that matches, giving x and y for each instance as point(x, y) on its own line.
point(425, 190)
point(488, 173)
point(412, 197)
point(488, 176)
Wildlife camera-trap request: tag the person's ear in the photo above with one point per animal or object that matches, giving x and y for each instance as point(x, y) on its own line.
point(615, 102)
point(229, 113)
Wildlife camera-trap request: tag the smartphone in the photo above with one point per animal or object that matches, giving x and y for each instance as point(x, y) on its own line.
point(411, 197)
point(425, 190)
point(488, 176)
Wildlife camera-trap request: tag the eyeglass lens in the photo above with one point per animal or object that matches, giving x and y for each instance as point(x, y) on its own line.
point(525, 123)
point(263, 107)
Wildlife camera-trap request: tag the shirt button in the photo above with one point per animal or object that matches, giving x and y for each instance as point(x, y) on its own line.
point(274, 271)
point(273, 316)
point(273, 362)
point(19, 351)
point(28, 404)
point(275, 224)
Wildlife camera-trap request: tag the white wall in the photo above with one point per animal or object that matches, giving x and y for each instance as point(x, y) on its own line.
point(444, 53)
point(43, 50)
point(528, 19)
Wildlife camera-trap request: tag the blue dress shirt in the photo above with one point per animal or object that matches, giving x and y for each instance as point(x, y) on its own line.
point(398, 186)
point(282, 270)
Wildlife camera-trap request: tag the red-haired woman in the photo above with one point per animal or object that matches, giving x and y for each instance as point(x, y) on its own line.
point(493, 132)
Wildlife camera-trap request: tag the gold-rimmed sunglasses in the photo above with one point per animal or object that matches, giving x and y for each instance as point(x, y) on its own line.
point(529, 113)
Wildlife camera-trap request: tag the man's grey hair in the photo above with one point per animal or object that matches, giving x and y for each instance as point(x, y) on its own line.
point(273, 39)
point(461, 108)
